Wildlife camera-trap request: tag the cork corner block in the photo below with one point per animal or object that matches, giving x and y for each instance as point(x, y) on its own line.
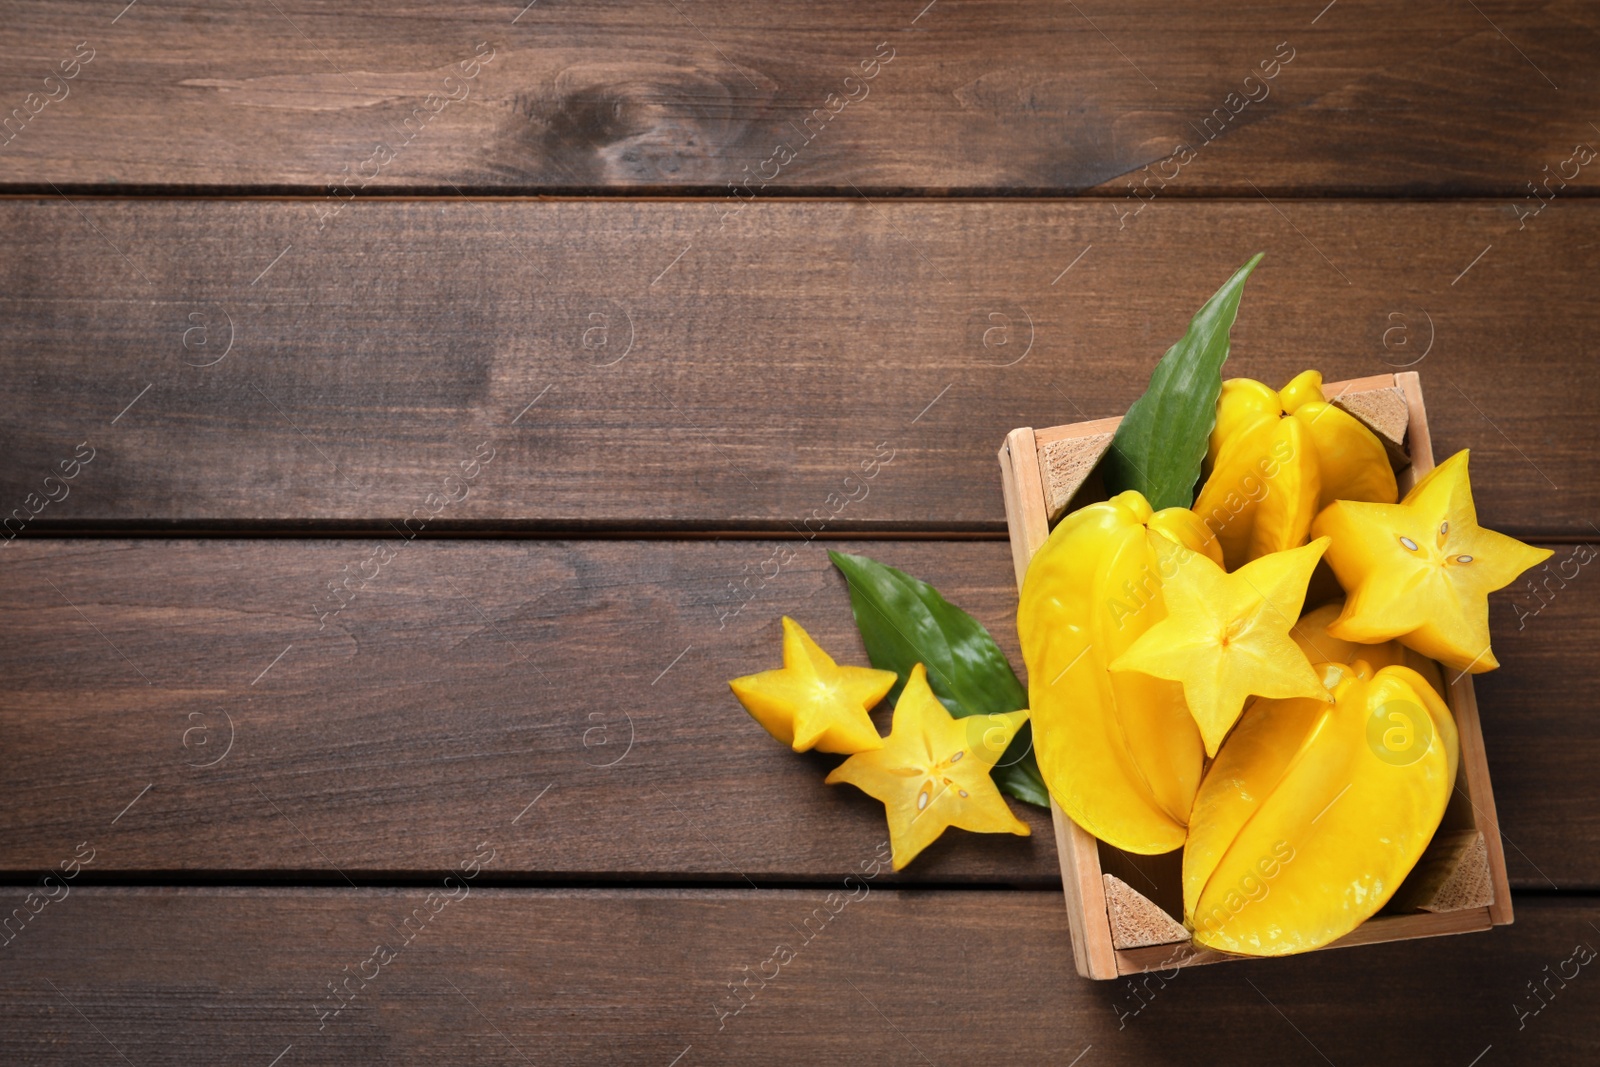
point(1459, 885)
point(1136, 921)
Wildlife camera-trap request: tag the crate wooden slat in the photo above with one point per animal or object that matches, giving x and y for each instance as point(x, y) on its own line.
point(1043, 471)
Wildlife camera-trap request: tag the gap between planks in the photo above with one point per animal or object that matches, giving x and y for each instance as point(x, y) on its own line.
point(719, 194)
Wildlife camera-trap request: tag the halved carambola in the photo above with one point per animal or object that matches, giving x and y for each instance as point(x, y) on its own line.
point(1313, 813)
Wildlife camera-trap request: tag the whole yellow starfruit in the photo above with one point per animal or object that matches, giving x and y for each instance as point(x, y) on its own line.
point(1276, 458)
point(1421, 571)
point(1313, 813)
point(1119, 752)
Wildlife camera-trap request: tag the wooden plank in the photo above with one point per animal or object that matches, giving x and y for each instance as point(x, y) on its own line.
point(628, 977)
point(466, 677)
point(819, 366)
point(1540, 625)
point(1153, 98)
point(469, 676)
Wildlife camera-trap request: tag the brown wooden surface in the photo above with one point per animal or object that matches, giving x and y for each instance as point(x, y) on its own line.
point(213, 288)
point(550, 977)
point(768, 361)
point(1434, 98)
point(468, 675)
point(467, 678)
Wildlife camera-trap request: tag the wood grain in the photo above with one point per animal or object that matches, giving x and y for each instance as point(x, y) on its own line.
point(279, 269)
point(464, 681)
point(563, 977)
point(975, 98)
point(469, 677)
point(754, 372)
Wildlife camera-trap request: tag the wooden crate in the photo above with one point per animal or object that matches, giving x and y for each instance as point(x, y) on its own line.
point(1121, 907)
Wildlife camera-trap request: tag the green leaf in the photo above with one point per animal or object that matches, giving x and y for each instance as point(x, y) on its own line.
point(1161, 443)
point(905, 622)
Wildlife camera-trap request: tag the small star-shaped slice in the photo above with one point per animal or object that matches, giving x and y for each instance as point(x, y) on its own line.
point(1226, 636)
point(1422, 570)
point(813, 702)
point(933, 771)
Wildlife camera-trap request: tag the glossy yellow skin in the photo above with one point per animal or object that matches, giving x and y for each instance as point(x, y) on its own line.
point(1311, 634)
point(1313, 813)
point(812, 702)
point(1226, 636)
point(1421, 571)
point(933, 771)
point(1277, 458)
point(1119, 752)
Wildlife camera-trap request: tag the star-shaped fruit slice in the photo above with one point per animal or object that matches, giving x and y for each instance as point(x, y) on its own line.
point(933, 771)
point(813, 702)
point(1226, 636)
point(1422, 570)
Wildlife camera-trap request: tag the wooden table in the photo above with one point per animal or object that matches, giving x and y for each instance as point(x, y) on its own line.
point(415, 415)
